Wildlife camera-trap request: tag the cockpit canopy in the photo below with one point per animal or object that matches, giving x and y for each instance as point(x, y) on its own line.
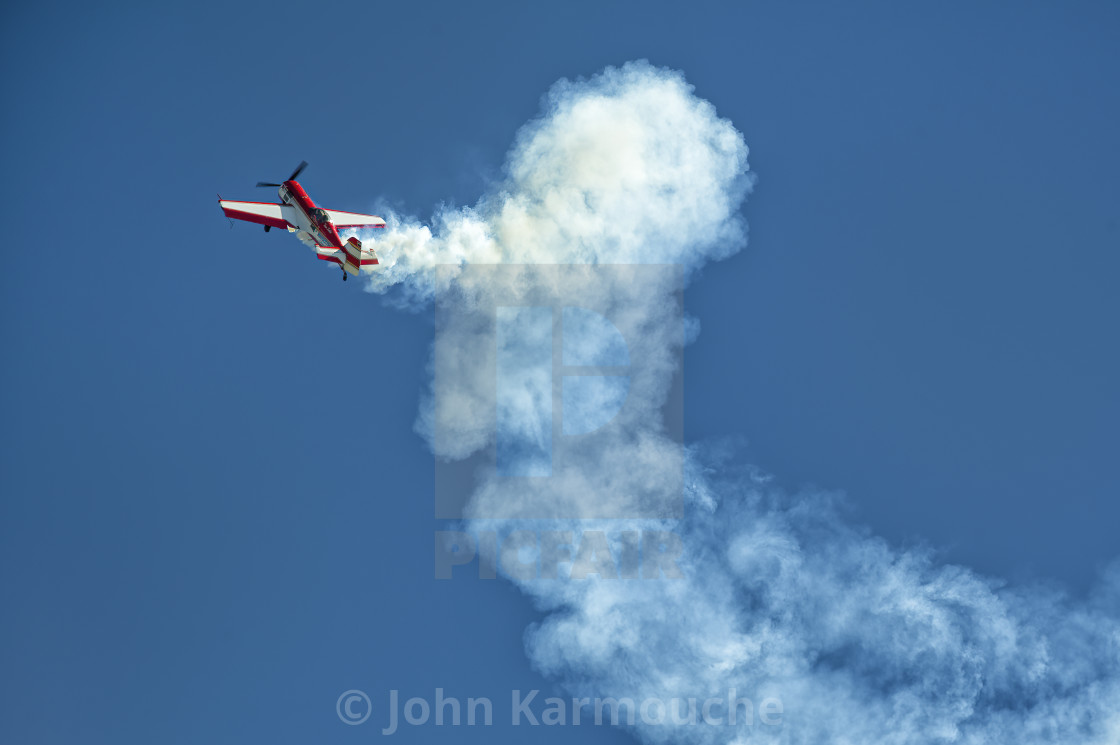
point(320, 216)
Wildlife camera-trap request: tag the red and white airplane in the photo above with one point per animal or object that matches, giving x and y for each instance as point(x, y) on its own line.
point(313, 225)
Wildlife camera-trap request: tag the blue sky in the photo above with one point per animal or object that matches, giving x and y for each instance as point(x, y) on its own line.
point(203, 533)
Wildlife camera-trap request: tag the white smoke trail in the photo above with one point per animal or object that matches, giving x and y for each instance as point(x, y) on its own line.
point(861, 642)
point(628, 168)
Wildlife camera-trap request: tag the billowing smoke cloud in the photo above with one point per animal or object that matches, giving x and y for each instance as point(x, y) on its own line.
point(780, 598)
point(628, 168)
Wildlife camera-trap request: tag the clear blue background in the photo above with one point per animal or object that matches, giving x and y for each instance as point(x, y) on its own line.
point(205, 535)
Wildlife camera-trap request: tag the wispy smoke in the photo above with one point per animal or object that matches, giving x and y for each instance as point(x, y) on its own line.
point(862, 642)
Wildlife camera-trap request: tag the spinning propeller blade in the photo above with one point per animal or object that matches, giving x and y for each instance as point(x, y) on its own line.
point(298, 171)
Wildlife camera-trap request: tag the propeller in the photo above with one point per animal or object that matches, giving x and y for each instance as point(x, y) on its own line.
point(298, 171)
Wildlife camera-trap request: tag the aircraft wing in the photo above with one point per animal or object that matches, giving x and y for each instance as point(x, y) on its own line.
point(262, 213)
point(354, 220)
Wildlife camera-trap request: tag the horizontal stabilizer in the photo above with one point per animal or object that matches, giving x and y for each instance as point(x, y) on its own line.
point(351, 257)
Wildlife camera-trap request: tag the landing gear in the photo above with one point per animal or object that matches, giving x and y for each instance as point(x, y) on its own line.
point(267, 228)
point(343, 275)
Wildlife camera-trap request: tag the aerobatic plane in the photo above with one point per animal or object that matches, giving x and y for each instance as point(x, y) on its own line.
point(315, 226)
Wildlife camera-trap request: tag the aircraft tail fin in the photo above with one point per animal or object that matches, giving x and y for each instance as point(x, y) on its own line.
point(360, 256)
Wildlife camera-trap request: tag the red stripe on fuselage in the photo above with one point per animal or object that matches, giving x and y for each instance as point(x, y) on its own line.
point(303, 202)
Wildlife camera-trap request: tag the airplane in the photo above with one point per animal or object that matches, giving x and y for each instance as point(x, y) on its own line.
point(315, 226)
